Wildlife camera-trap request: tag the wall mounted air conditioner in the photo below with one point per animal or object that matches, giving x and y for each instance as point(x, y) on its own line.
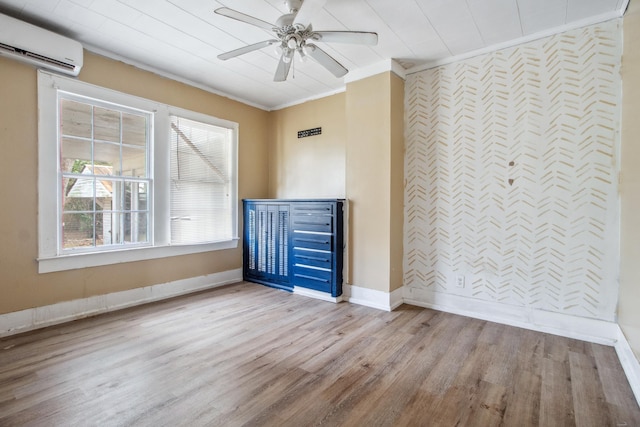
point(28, 43)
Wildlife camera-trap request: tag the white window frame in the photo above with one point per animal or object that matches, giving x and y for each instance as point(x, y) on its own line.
point(50, 257)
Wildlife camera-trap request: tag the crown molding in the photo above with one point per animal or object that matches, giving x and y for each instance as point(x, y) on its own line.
point(374, 69)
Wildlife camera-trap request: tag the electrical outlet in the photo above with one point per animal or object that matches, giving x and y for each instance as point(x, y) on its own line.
point(459, 281)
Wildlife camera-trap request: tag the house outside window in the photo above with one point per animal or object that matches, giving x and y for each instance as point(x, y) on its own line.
point(122, 178)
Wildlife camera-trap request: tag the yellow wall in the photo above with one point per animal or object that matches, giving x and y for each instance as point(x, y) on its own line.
point(374, 181)
point(21, 286)
point(312, 167)
point(629, 299)
point(396, 237)
point(360, 156)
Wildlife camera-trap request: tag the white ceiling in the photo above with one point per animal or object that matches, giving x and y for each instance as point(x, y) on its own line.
point(181, 38)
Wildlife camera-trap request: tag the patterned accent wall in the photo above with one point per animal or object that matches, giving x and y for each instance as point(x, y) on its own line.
point(511, 174)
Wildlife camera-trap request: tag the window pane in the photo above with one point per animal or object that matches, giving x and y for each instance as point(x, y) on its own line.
point(110, 228)
point(99, 229)
point(134, 162)
point(141, 220)
point(75, 118)
point(107, 154)
point(134, 198)
point(134, 129)
point(112, 201)
point(135, 227)
point(143, 195)
point(74, 155)
point(106, 124)
point(77, 230)
point(130, 232)
point(106, 195)
point(78, 194)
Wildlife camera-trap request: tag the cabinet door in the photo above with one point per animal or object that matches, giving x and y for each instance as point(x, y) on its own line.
point(267, 242)
point(312, 227)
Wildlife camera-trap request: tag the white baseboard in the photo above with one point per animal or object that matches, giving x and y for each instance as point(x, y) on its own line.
point(40, 317)
point(316, 294)
point(629, 363)
point(581, 328)
point(372, 298)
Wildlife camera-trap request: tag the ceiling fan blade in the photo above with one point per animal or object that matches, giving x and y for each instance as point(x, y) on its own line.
point(307, 11)
point(358, 37)
point(283, 67)
point(247, 49)
point(239, 16)
point(326, 60)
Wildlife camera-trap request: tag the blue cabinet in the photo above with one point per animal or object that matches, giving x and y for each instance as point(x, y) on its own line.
point(289, 243)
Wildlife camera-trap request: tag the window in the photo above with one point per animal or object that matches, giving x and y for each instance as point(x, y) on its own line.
point(201, 176)
point(123, 178)
point(104, 174)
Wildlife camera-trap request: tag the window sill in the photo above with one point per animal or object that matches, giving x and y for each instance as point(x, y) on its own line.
point(95, 259)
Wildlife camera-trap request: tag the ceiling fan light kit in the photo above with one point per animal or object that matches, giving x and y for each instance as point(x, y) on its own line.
point(295, 33)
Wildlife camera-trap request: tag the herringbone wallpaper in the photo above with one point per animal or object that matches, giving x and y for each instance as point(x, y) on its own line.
point(511, 175)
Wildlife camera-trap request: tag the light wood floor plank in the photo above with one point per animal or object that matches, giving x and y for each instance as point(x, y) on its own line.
point(588, 396)
point(556, 400)
point(246, 354)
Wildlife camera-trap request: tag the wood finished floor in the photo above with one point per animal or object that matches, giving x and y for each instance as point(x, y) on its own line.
point(250, 355)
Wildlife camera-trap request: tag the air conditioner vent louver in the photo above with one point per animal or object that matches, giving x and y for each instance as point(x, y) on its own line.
point(8, 48)
point(37, 57)
point(28, 43)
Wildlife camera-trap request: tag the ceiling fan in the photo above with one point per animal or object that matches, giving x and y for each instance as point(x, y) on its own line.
point(295, 34)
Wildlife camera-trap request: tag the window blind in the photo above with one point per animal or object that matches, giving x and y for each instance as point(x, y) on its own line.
point(201, 173)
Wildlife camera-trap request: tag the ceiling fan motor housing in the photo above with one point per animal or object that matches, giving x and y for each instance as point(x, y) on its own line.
point(293, 5)
point(293, 36)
